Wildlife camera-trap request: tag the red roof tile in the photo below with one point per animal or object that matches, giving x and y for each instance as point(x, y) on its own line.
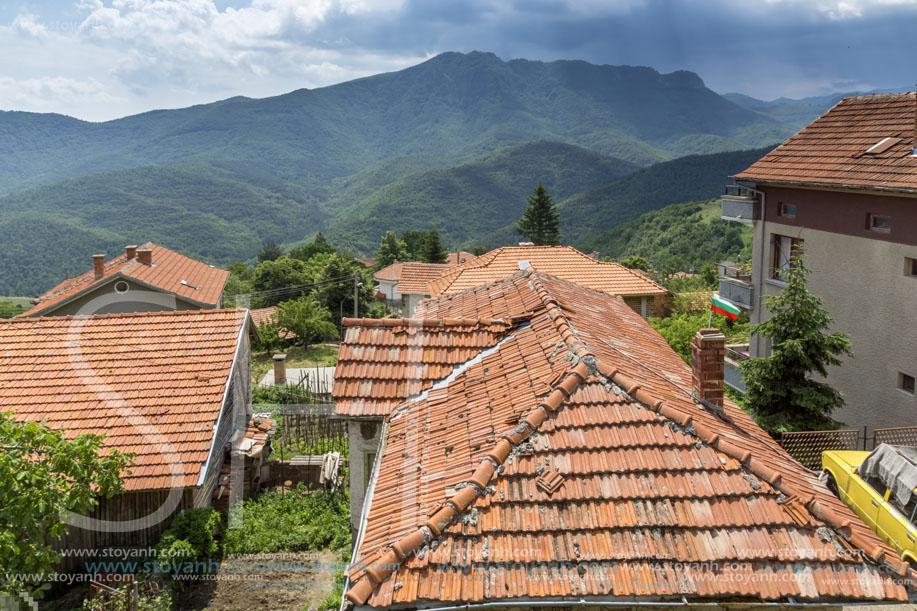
point(263, 315)
point(832, 150)
point(412, 276)
point(561, 261)
point(570, 462)
point(382, 362)
point(171, 272)
point(121, 374)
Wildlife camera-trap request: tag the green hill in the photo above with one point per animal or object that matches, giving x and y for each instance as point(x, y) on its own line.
point(465, 202)
point(692, 233)
point(452, 102)
point(215, 214)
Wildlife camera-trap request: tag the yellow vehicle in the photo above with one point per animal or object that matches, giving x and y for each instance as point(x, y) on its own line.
point(879, 486)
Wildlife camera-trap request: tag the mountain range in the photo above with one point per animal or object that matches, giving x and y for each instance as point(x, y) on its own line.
point(458, 141)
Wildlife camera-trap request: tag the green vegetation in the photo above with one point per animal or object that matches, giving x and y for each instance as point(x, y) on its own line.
point(294, 520)
point(42, 476)
point(391, 249)
point(306, 319)
point(692, 233)
point(433, 251)
point(785, 391)
point(688, 318)
point(696, 178)
point(399, 152)
point(539, 223)
point(191, 536)
point(298, 357)
point(269, 252)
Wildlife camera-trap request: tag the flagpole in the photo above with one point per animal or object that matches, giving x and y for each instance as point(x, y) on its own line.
point(710, 317)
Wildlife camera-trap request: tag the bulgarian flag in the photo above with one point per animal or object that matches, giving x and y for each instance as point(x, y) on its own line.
point(724, 308)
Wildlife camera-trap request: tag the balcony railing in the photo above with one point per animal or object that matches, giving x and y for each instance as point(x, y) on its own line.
point(732, 375)
point(739, 204)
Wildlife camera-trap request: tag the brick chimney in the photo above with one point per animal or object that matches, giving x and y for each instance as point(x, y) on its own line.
point(130, 251)
point(145, 255)
point(708, 349)
point(280, 369)
point(98, 265)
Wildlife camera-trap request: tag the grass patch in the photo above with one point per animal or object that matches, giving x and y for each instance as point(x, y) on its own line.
point(317, 355)
point(296, 520)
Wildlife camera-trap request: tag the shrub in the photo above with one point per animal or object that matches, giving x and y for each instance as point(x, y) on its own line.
point(190, 537)
point(291, 521)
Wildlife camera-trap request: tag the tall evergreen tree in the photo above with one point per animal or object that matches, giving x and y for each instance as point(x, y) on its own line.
point(433, 251)
point(783, 393)
point(391, 249)
point(540, 222)
point(269, 252)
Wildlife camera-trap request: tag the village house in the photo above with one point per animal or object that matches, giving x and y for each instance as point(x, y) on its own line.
point(644, 296)
point(145, 278)
point(845, 189)
point(572, 459)
point(404, 285)
point(172, 387)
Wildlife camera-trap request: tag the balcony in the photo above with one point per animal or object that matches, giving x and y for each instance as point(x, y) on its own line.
point(739, 205)
point(735, 284)
point(732, 375)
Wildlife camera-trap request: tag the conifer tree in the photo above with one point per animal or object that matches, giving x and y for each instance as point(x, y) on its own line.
point(391, 249)
point(433, 251)
point(786, 391)
point(540, 222)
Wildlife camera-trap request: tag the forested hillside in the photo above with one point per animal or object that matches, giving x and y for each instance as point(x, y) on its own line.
point(458, 141)
point(683, 236)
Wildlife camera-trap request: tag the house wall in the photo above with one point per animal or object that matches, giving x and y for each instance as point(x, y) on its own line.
point(861, 277)
point(363, 437)
point(387, 288)
point(136, 299)
point(411, 301)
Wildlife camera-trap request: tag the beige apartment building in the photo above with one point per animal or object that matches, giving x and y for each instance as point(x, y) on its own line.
point(845, 188)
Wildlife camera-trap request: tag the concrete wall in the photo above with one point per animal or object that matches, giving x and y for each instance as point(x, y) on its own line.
point(363, 437)
point(136, 299)
point(863, 284)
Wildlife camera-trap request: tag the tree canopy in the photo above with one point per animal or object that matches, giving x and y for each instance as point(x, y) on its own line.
point(540, 222)
point(42, 475)
point(308, 320)
point(785, 391)
point(433, 250)
point(391, 249)
point(270, 252)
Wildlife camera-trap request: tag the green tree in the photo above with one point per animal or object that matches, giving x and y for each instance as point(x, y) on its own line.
point(307, 319)
point(239, 282)
point(334, 286)
point(540, 222)
point(783, 393)
point(271, 277)
point(391, 249)
point(415, 242)
point(635, 262)
point(319, 245)
point(270, 252)
point(479, 250)
point(679, 328)
point(269, 338)
point(433, 251)
point(42, 475)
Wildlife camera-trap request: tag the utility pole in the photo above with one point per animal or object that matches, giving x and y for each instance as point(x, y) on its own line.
point(356, 294)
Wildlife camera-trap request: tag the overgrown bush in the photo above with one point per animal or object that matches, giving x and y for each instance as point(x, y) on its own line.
point(269, 339)
point(291, 521)
point(190, 537)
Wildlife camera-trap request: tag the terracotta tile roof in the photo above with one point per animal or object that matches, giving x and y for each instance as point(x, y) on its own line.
point(831, 151)
point(569, 462)
point(169, 368)
point(412, 276)
point(263, 315)
point(203, 283)
point(561, 261)
point(456, 258)
point(382, 362)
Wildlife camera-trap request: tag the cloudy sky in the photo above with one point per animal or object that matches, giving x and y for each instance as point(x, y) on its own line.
point(101, 59)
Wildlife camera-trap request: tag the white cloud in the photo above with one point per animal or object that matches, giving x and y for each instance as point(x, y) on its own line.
point(26, 24)
point(46, 94)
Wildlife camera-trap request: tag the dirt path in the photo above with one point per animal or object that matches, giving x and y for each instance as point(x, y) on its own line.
point(263, 581)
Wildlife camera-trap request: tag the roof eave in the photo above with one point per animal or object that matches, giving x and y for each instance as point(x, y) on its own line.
point(823, 185)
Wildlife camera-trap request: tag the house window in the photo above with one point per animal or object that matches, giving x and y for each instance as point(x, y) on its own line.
point(784, 247)
point(906, 383)
point(879, 222)
point(788, 210)
point(122, 287)
point(910, 267)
